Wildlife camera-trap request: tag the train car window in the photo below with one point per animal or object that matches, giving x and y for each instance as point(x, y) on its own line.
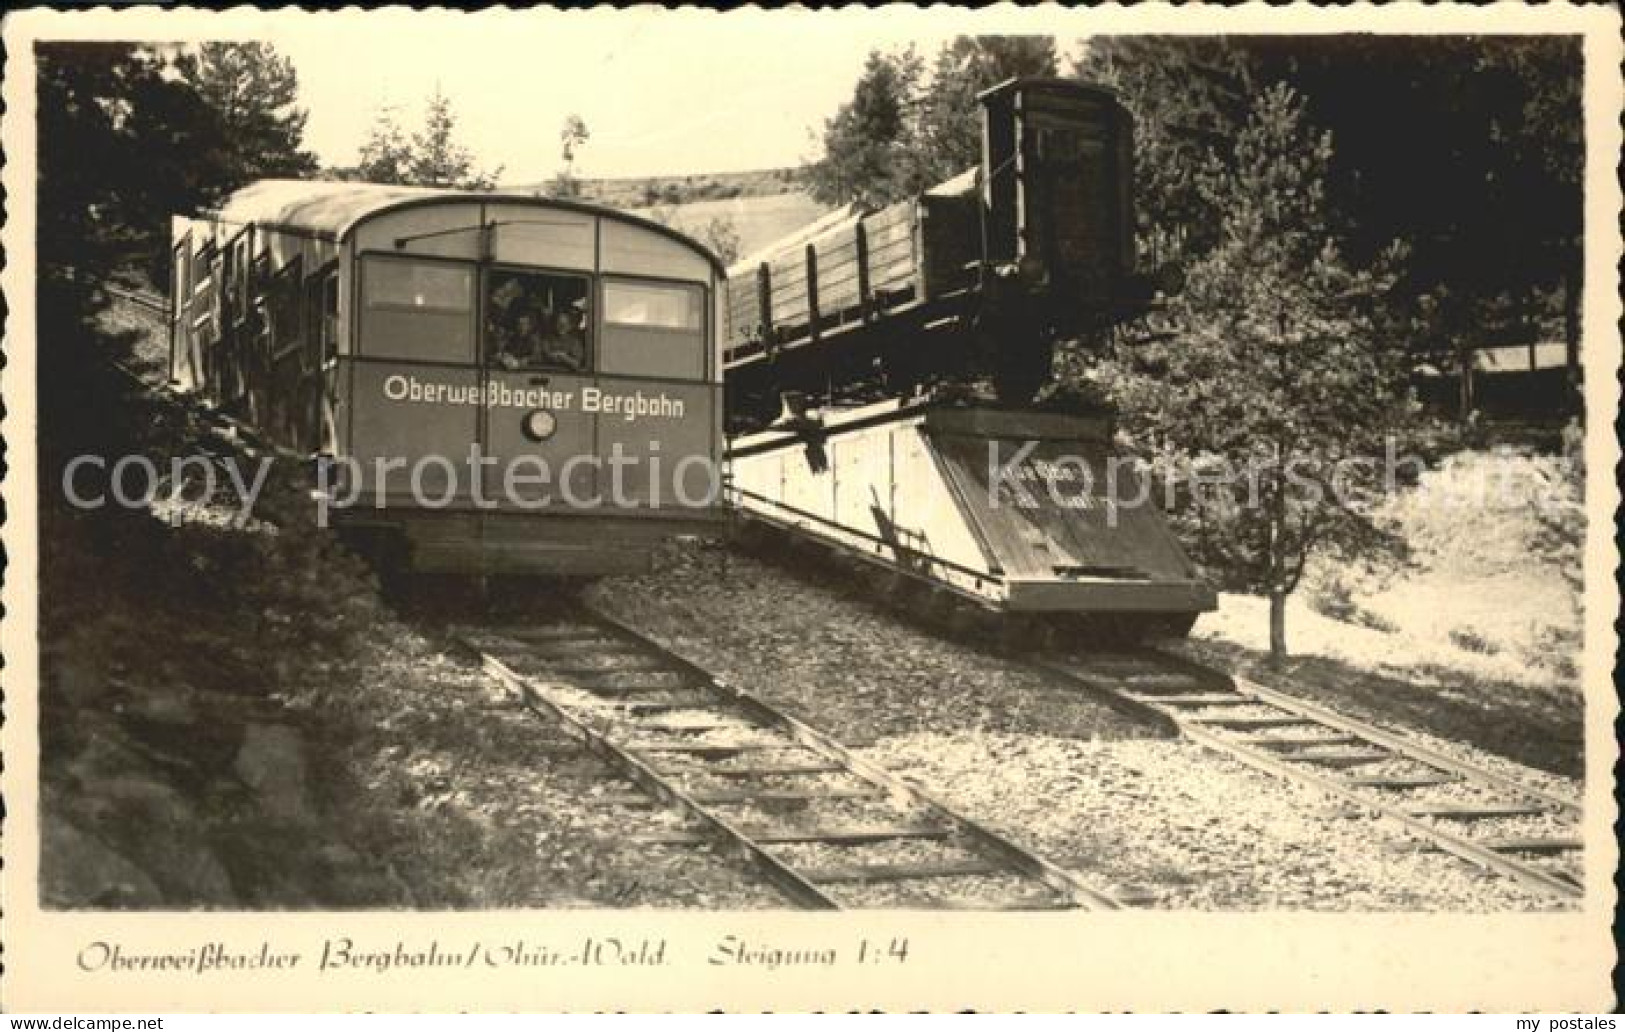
point(654, 329)
point(655, 306)
point(285, 323)
point(203, 268)
point(244, 272)
point(321, 316)
point(330, 314)
point(417, 309)
point(259, 279)
point(234, 281)
point(228, 288)
point(536, 320)
point(182, 366)
point(181, 272)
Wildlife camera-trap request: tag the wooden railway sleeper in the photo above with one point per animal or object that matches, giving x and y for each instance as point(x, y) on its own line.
point(1456, 812)
point(770, 771)
point(1190, 700)
point(702, 748)
point(1395, 781)
point(1240, 722)
point(634, 689)
point(634, 707)
point(1338, 761)
point(1297, 741)
point(871, 873)
point(567, 670)
point(846, 835)
point(753, 797)
point(1549, 846)
point(1284, 755)
point(640, 745)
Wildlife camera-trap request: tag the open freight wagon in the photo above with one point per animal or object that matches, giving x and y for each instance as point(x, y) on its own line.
point(976, 277)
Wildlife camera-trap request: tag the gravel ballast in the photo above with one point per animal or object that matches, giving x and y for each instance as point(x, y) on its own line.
point(496, 807)
point(1050, 766)
point(853, 670)
point(1190, 828)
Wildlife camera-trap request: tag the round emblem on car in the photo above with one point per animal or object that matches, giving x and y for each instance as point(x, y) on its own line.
point(539, 424)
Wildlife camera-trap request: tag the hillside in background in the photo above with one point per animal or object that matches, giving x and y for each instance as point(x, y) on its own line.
point(758, 221)
point(760, 206)
point(648, 191)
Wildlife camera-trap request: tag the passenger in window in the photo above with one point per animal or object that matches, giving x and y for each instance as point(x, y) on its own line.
point(496, 341)
point(564, 345)
point(501, 323)
point(514, 346)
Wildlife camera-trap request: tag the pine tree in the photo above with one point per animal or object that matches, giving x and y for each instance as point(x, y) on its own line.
point(438, 159)
point(1189, 96)
point(1281, 389)
point(432, 156)
point(1432, 133)
point(255, 92)
point(572, 135)
point(125, 141)
point(386, 156)
point(867, 142)
point(903, 132)
point(949, 124)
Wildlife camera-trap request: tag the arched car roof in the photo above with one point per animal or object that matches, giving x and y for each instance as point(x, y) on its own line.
point(1051, 84)
point(332, 210)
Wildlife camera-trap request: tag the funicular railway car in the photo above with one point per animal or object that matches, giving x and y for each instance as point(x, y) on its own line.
point(874, 336)
point(502, 384)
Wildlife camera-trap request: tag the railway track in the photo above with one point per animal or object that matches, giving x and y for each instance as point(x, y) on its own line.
point(141, 298)
point(827, 828)
point(1458, 808)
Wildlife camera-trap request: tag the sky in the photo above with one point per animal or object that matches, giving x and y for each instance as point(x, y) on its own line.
point(661, 92)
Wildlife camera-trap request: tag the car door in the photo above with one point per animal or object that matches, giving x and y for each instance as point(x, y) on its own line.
point(536, 333)
point(415, 382)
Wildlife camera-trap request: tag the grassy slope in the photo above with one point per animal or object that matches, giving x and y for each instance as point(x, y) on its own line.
point(635, 191)
point(758, 220)
point(1477, 637)
point(762, 205)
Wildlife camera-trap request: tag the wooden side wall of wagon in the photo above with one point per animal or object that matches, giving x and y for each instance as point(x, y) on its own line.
point(1016, 511)
point(854, 271)
point(976, 279)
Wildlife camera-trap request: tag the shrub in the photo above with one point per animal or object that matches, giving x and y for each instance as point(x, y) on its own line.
point(1332, 596)
point(1469, 640)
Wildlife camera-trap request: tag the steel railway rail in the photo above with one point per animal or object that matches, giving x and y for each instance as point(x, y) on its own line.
point(1512, 829)
point(1475, 814)
point(831, 830)
point(138, 297)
